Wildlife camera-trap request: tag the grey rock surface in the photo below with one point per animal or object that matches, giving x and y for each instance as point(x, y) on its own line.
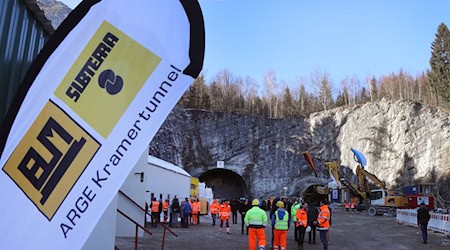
point(404, 142)
point(55, 11)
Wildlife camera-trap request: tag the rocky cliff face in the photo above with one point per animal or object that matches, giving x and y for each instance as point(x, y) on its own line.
point(54, 10)
point(404, 143)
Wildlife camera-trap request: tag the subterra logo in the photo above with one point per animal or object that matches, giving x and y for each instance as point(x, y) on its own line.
point(109, 81)
point(106, 77)
point(87, 72)
point(50, 158)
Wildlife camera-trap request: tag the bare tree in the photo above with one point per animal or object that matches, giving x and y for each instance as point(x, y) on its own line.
point(250, 94)
point(320, 81)
point(271, 92)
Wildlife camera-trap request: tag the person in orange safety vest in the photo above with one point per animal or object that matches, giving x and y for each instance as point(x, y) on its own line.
point(302, 223)
point(194, 211)
point(156, 212)
point(323, 223)
point(224, 214)
point(347, 206)
point(199, 209)
point(353, 205)
point(214, 210)
point(165, 209)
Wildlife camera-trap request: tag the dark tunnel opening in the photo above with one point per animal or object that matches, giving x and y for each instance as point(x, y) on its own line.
point(314, 194)
point(225, 183)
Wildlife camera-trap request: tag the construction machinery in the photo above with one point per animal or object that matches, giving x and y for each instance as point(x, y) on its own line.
point(379, 200)
point(375, 201)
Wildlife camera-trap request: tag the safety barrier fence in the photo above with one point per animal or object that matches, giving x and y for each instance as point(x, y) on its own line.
point(438, 222)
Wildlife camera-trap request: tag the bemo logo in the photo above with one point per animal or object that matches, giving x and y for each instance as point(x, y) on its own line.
point(109, 81)
point(50, 158)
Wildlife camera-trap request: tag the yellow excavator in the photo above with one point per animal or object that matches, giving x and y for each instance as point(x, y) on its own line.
point(376, 201)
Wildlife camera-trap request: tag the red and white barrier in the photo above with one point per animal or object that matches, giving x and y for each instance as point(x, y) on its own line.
point(438, 222)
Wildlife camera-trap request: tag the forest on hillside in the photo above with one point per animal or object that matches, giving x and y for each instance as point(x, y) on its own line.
point(227, 92)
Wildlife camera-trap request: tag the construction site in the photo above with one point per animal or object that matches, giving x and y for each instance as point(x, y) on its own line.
point(348, 231)
point(81, 182)
point(363, 213)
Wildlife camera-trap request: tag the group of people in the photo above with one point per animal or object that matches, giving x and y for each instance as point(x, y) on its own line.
point(155, 210)
point(187, 210)
point(351, 204)
point(304, 217)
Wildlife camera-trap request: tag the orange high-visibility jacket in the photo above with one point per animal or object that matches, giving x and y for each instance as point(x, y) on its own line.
point(193, 207)
point(214, 208)
point(155, 206)
point(165, 206)
point(302, 217)
point(199, 206)
point(224, 211)
point(324, 218)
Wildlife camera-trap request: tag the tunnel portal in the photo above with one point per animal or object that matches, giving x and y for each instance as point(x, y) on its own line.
point(225, 183)
point(315, 194)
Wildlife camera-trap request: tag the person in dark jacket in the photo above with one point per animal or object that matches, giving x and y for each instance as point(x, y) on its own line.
point(264, 205)
point(313, 212)
point(243, 208)
point(186, 209)
point(423, 216)
point(234, 204)
point(175, 210)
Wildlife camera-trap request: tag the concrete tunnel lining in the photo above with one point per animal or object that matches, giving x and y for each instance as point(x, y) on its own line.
point(225, 183)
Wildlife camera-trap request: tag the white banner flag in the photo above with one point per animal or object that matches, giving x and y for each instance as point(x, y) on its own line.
point(90, 104)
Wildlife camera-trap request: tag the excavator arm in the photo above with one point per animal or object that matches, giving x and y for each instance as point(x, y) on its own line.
point(333, 169)
point(379, 183)
point(346, 182)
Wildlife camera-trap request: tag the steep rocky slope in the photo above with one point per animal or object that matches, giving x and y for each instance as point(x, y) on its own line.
point(404, 143)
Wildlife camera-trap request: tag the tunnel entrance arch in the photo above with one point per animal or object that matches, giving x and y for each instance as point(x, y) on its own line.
point(314, 193)
point(226, 184)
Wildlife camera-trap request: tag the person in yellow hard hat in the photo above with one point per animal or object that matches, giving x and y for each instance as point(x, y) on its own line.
point(280, 224)
point(256, 221)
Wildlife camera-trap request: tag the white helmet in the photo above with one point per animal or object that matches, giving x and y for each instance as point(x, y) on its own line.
point(308, 229)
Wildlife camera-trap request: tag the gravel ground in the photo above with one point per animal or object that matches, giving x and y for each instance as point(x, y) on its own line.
point(348, 231)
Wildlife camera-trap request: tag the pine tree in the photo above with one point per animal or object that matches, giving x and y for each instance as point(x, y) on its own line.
point(325, 96)
point(363, 96)
point(373, 89)
point(288, 103)
point(303, 100)
point(198, 94)
point(340, 101)
point(439, 76)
